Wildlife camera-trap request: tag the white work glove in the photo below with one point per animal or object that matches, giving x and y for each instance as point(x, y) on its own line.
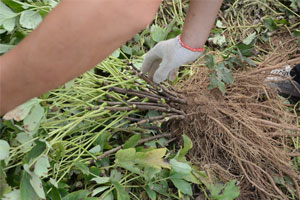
point(165, 58)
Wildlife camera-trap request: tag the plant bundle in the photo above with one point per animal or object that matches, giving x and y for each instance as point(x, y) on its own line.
point(247, 134)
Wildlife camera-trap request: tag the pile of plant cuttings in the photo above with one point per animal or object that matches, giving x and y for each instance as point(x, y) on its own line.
point(218, 131)
point(248, 134)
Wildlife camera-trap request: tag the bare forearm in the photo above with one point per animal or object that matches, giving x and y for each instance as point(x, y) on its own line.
point(74, 37)
point(199, 21)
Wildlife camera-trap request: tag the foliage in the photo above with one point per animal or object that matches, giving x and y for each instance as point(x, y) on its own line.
point(18, 18)
point(48, 142)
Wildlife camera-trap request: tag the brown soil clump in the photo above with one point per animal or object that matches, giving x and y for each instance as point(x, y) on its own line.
point(244, 135)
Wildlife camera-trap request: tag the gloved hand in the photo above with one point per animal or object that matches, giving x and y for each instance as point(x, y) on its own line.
point(165, 58)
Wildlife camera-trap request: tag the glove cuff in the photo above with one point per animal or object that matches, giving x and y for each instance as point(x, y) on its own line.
point(188, 47)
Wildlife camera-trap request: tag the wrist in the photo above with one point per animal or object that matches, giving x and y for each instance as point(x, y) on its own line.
point(190, 45)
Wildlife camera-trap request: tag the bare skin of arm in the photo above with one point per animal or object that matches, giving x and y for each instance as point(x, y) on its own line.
point(199, 21)
point(73, 38)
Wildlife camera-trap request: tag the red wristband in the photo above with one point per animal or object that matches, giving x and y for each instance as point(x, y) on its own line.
point(188, 47)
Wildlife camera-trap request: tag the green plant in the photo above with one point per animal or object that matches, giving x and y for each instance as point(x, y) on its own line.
point(57, 146)
point(18, 18)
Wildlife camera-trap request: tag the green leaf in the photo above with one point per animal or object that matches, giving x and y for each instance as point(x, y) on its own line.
point(190, 177)
point(26, 190)
point(77, 195)
point(101, 180)
point(126, 49)
point(41, 166)
point(83, 168)
point(219, 24)
point(5, 11)
point(25, 137)
point(4, 187)
point(60, 149)
point(250, 62)
point(180, 166)
point(37, 186)
point(54, 194)
point(108, 196)
point(215, 190)
point(187, 145)
point(152, 158)
point(126, 158)
point(52, 3)
point(13, 195)
point(202, 177)
point(115, 176)
point(210, 61)
point(169, 28)
point(224, 74)
point(99, 190)
point(157, 33)
point(149, 173)
point(69, 84)
point(132, 141)
point(7, 17)
point(231, 191)
point(174, 33)
point(216, 82)
point(9, 24)
point(137, 63)
point(125, 155)
point(20, 112)
point(96, 149)
point(295, 4)
point(151, 194)
point(218, 39)
point(281, 21)
point(53, 182)
point(182, 185)
point(4, 150)
point(296, 33)
point(270, 24)
point(160, 189)
point(14, 6)
point(121, 193)
point(249, 39)
point(37, 150)
point(228, 192)
point(116, 53)
point(221, 87)
point(30, 19)
point(245, 50)
point(33, 119)
point(5, 48)
point(213, 81)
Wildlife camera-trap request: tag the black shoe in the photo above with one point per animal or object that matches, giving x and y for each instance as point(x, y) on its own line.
point(283, 81)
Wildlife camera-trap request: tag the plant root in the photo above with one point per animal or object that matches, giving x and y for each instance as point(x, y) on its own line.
point(245, 134)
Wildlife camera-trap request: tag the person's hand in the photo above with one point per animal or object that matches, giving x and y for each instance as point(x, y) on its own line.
point(165, 58)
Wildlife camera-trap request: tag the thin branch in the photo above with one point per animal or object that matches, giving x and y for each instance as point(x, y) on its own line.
point(161, 89)
point(142, 107)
